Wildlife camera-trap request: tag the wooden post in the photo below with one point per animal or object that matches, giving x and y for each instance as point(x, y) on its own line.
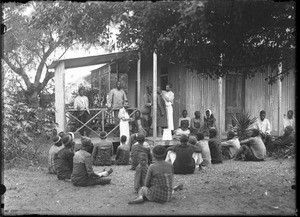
point(220, 106)
point(117, 69)
point(154, 110)
point(139, 82)
point(60, 110)
point(279, 98)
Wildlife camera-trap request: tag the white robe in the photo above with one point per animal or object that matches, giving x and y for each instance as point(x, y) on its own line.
point(124, 125)
point(169, 97)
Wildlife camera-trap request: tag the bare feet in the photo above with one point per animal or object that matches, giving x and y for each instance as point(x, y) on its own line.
point(178, 187)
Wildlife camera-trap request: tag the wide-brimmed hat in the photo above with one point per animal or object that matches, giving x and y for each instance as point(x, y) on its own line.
point(159, 152)
point(103, 135)
point(56, 139)
point(86, 141)
point(66, 139)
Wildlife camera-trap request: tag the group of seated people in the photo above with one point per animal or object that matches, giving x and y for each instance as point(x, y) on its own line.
point(155, 167)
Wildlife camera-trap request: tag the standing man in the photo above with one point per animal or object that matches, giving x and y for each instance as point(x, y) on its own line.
point(264, 127)
point(147, 103)
point(168, 96)
point(116, 98)
point(81, 103)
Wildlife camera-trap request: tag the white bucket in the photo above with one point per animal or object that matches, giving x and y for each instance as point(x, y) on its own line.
point(167, 134)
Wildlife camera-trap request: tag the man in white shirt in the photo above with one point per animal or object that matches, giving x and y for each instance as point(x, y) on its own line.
point(116, 99)
point(231, 146)
point(264, 127)
point(81, 103)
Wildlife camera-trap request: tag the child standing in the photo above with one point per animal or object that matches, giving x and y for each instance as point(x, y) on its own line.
point(141, 171)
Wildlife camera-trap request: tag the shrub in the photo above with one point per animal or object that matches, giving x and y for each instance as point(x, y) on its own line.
point(243, 123)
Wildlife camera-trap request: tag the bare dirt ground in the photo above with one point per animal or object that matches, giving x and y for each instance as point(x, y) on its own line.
point(231, 188)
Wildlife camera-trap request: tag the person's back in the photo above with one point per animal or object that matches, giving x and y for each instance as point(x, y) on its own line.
point(64, 163)
point(205, 151)
point(136, 150)
point(215, 147)
point(258, 147)
point(123, 152)
point(184, 162)
point(102, 151)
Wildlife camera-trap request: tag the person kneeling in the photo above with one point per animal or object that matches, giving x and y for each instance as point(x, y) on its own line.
point(159, 180)
point(83, 173)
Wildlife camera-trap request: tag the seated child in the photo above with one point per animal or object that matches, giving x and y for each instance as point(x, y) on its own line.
point(196, 123)
point(205, 151)
point(53, 154)
point(231, 146)
point(209, 122)
point(183, 130)
point(123, 152)
point(159, 180)
point(140, 172)
point(215, 147)
point(184, 119)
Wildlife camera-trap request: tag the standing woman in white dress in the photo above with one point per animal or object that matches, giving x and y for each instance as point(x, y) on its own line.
point(124, 121)
point(168, 96)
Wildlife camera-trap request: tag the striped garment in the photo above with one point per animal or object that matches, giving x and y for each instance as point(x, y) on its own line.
point(161, 187)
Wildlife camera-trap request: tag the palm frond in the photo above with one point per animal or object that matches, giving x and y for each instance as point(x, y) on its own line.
point(243, 122)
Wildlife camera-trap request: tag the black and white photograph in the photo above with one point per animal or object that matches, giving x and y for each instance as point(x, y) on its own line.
point(148, 108)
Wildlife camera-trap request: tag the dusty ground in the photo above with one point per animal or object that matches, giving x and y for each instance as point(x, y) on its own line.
point(231, 188)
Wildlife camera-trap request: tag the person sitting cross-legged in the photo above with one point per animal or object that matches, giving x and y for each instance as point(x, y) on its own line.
point(183, 130)
point(252, 149)
point(196, 123)
point(215, 147)
point(181, 156)
point(102, 151)
point(159, 180)
point(205, 151)
point(83, 173)
point(231, 146)
point(284, 141)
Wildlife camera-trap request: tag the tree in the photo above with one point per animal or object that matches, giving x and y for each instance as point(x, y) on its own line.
point(38, 31)
point(212, 37)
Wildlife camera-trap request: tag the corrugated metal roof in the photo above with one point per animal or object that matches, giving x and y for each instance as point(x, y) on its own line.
point(90, 60)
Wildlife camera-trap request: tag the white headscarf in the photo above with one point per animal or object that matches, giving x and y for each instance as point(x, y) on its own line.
point(208, 111)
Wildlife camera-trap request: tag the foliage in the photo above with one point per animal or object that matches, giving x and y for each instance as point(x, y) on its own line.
point(212, 37)
point(39, 31)
point(243, 123)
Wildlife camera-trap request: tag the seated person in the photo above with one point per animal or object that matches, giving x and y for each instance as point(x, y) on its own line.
point(289, 120)
point(215, 147)
point(196, 123)
point(231, 146)
point(252, 148)
point(55, 148)
point(139, 124)
point(123, 152)
point(65, 159)
point(184, 119)
point(196, 156)
point(140, 172)
point(233, 127)
point(209, 122)
point(83, 173)
point(102, 151)
point(205, 151)
point(140, 147)
point(183, 130)
point(264, 127)
point(159, 180)
point(284, 141)
point(181, 156)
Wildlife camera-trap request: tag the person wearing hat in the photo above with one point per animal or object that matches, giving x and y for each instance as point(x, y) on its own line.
point(81, 104)
point(65, 159)
point(55, 148)
point(159, 180)
point(102, 151)
point(141, 146)
point(124, 120)
point(83, 173)
point(182, 159)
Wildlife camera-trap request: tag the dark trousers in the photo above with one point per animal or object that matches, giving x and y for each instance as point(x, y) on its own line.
point(93, 181)
point(84, 117)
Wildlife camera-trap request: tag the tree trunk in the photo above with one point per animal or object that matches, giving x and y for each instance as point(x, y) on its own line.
point(32, 98)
